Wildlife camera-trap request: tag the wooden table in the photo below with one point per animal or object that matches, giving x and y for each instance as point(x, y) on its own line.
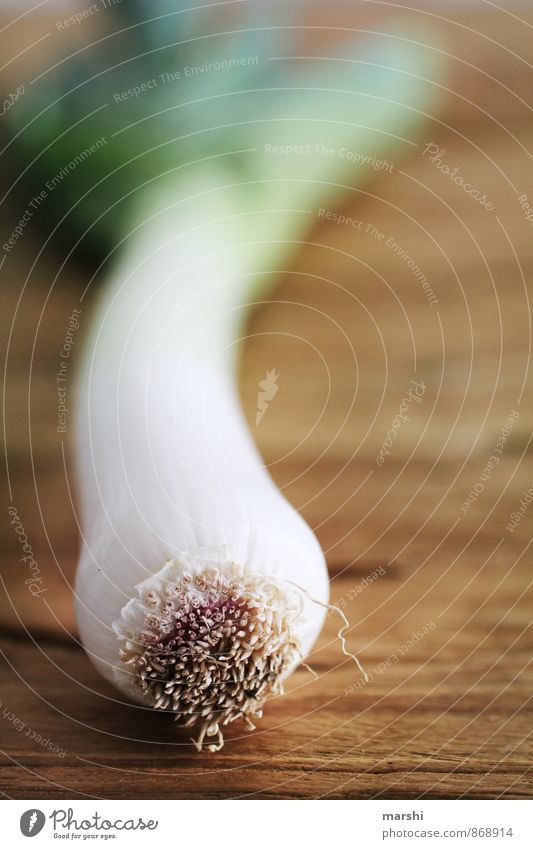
point(437, 594)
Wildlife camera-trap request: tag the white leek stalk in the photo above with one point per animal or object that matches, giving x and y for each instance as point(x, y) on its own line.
point(196, 578)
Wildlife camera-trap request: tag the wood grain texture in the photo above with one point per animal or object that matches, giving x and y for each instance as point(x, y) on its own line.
point(448, 712)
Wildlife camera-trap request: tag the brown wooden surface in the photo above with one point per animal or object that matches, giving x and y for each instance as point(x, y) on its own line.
point(449, 717)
